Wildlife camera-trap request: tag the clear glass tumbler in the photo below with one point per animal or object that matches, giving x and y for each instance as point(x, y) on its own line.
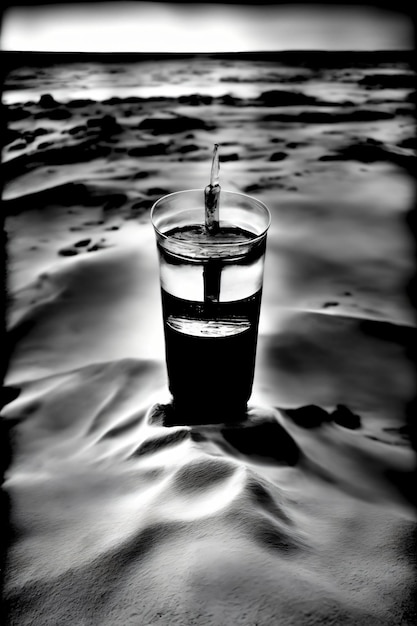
point(211, 287)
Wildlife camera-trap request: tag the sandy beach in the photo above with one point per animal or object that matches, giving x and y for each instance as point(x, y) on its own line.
point(301, 513)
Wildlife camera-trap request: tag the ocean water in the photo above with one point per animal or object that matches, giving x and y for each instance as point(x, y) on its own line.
point(335, 76)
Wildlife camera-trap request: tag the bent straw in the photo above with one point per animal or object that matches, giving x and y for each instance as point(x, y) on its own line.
point(212, 270)
point(212, 195)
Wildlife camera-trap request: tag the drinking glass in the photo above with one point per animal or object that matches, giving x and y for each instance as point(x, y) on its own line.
point(211, 288)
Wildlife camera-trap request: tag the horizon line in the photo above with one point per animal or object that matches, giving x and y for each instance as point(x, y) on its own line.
point(229, 52)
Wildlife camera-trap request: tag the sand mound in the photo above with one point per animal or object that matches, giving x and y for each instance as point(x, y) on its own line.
point(176, 508)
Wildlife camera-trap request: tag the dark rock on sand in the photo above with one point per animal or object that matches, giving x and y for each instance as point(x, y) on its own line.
point(98, 246)
point(157, 191)
point(195, 99)
point(40, 131)
point(128, 100)
point(132, 100)
point(46, 101)
point(16, 114)
point(115, 201)
point(253, 187)
point(328, 117)
point(410, 143)
point(77, 129)
point(54, 114)
point(344, 417)
point(45, 144)
point(296, 144)
point(97, 122)
point(406, 110)
point(154, 149)
point(113, 100)
point(8, 135)
point(188, 148)
point(370, 152)
point(327, 305)
point(310, 416)
point(106, 125)
point(278, 156)
point(77, 104)
point(171, 125)
point(389, 81)
point(229, 157)
point(230, 100)
point(18, 146)
point(67, 252)
point(140, 206)
point(140, 175)
point(278, 97)
point(82, 243)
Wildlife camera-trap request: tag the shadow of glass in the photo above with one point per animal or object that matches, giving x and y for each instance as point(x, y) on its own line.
point(252, 433)
point(175, 414)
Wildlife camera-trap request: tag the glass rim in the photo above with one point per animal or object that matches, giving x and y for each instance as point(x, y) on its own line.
point(255, 239)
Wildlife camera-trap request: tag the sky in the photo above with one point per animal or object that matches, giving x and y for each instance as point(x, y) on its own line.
point(200, 27)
